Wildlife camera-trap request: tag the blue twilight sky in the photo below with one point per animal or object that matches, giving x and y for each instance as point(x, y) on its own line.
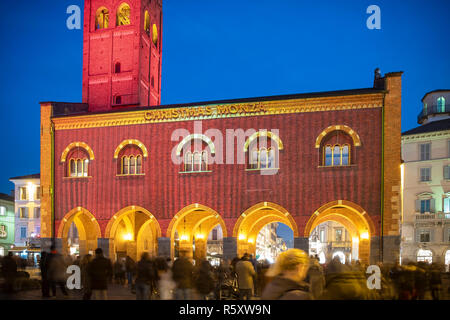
point(217, 49)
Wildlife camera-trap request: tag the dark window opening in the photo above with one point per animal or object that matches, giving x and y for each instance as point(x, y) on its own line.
point(117, 68)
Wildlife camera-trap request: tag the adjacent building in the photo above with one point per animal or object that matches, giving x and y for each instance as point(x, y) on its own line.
point(426, 190)
point(27, 210)
point(6, 223)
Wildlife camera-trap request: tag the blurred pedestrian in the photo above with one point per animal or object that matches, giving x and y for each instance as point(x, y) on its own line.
point(119, 271)
point(87, 292)
point(203, 279)
point(165, 283)
point(245, 275)
point(100, 273)
point(56, 271)
point(130, 267)
point(316, 278)
point(288, 273)
point(435, 281)
point(145, 276)
point(182, 275)
point(9, 272)
point(45, 288)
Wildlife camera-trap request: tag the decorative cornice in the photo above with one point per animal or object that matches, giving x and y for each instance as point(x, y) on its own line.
point(206, 112)
point(426, 136)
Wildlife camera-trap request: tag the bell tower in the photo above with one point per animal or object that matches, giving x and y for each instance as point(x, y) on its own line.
point(122, 53)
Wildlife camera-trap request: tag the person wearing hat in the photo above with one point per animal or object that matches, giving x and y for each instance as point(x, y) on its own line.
point(288, 273)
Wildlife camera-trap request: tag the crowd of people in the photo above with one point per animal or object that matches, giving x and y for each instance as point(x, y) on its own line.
point(294, 276)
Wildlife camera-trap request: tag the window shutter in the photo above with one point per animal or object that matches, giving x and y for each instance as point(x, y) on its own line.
point(432, 205)
point(418, 205)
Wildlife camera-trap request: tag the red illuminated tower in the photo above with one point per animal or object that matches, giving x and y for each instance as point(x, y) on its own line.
point(122, 53)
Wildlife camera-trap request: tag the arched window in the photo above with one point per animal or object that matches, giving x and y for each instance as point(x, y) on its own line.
point(102, 18)
point(125, 165)
point(76, 158)
point(335, 150)
point(78, 168)
point(424, 256)
point(147, 23)
point(441, 104)
point(155, 35)
point(118, 100)
point(72, 168)
point(132, 165)
point(117, 67)
point(195, 150)
point(139, 164)
point(262, 150)
point(123, 15)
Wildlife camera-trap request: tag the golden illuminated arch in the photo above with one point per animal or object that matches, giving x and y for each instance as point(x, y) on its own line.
point(127, 142)
point(348, 130)
point(260, 215)
point(102, 18)
point(77, 145)
point(263, 133)
point(122, 215)
point(202, 137)
point(189, 209)
point(345, 212)
point(87, 225)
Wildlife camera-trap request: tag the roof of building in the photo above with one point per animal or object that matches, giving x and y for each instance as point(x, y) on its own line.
point(435, 91)
point(30, 176)
point(440, 125)
point(7, 197)
point(228, 101)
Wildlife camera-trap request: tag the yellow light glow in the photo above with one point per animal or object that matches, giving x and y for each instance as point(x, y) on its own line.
point(199, 236)
point(242, 236)
point(184, 237)
point(355, 239)
point(128, 237)
point(365, 235)
point(251, 240)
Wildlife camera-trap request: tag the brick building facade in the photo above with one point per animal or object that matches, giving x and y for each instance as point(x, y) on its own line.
point(140, 176)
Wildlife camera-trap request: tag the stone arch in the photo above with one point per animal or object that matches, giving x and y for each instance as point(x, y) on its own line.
point(353, 217)
point(263, 133)
point(78, 144)
point(194, 222)
point(127, 142)
point(88, 230)
point(346, 129)
point(254, 219)
point(129, 228)
point(202, 137)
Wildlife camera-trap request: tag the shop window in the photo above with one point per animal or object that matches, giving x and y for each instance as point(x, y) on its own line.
point(424, 256)
point(123, 15)
point(102, 19)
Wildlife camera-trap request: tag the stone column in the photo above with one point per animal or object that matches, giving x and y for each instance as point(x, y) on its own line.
point(391, 249)
point(200, 249)
point(374, 249)
point(164, 247)
point(229, 248)
point(103, 243)
point(302, 244)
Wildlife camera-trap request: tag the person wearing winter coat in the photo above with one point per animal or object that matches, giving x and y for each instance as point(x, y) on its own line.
point(203, 279)
point(145, 278)
point(182, 270)
point(56, 271)
point(316, 279)
point(100, 273)
point(245, 274)
point(165, 283)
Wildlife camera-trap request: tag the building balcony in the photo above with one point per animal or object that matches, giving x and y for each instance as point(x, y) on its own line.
point(341, 244)
point(433, 110)
point(432, 216)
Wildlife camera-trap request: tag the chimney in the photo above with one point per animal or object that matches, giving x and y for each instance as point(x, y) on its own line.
point(378, 82)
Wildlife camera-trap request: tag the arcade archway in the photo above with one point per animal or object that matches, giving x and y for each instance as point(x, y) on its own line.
point(88, 231)
point(254, 219)
point(353, 218)
point(132, 231)
point(189, 230)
